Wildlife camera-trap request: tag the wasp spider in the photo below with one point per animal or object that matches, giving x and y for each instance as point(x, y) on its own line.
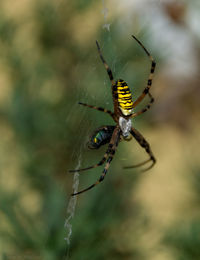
point(122, 115)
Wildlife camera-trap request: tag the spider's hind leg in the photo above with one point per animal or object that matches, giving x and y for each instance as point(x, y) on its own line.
point(138, 165)
point(101, 177)
point(141, 140)
point(98, 164)
point(113, 145)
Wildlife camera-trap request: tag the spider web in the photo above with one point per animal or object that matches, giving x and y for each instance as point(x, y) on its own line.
point(78, 151)
point(105, 14)
point(72, 203)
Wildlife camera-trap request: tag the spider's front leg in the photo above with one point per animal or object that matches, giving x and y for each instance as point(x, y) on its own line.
point(113, 145)
point(98, 108)
point(149, 82)
point(148, 106)
point(109, 71)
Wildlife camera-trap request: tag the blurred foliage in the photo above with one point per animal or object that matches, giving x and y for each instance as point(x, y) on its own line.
point(48, 63)
point(184, 237)
point(185, 240)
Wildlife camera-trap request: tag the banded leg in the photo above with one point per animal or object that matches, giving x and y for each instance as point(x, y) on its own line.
point(144, 109)
point(149, 82)
point(98, 108)
point(99, 163)
point(109, 71)
point(140, 139)
point(114, 142)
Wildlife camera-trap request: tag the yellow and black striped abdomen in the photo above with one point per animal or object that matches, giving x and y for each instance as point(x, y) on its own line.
point(124, 97)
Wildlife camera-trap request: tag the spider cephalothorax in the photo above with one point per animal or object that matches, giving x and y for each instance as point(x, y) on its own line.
point(123, 112)
point(125, 126)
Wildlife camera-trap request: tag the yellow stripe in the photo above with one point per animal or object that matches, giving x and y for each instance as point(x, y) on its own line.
point(125, 104)
point(125, 101)
point(124, 96)
point(122, 87)
point(119, 84)
point(125, 107)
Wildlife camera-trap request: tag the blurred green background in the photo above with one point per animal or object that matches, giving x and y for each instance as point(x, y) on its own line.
point(49, 62)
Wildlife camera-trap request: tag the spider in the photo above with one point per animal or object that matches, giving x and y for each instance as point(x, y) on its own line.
point(122, 115)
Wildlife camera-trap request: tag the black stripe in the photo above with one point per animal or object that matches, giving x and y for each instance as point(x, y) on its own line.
point(100, 109)
point(124, 92)
point(149, 81)
point(115, 87)
point(126, 98)
point(101, 178)
point(112, 152)
point(124, 84)
point(110, 73)
point(109, 159)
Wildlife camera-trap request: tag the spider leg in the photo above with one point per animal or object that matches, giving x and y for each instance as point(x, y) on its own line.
point(109, 71)
point(140, 139)
point(144, 109)
point(97, 108)
point(114, 142)
point(137, 165)
point(149, 82)
point(98, 164)
point(100, 179)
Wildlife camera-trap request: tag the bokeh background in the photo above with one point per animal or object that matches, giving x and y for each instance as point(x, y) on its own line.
point(49, 62)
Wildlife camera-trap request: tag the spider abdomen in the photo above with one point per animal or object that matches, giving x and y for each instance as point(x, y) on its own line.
point(124, 97)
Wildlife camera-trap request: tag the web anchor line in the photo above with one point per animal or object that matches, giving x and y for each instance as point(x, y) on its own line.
point(72, 204)
point(105, 14)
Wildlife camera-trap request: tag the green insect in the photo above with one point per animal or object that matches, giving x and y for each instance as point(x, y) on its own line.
point(101, 136)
